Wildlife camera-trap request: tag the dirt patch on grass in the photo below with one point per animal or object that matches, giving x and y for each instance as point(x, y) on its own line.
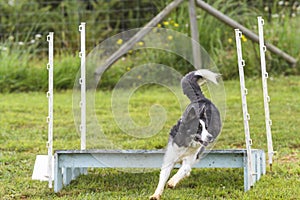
point(293, 157)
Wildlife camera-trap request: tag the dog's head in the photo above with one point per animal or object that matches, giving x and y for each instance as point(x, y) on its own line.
point(202, 135)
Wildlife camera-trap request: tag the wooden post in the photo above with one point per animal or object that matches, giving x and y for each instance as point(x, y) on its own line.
point(195, 35)
point(252, 36)
point(137, 37)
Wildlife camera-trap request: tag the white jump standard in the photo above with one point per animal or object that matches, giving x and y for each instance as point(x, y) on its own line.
point(82, 83)
point(244, 92)
point(264, 76)
point(50, 39)
point(43, 167)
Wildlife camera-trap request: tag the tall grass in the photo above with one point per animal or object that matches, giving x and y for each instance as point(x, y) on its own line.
point(24, 71)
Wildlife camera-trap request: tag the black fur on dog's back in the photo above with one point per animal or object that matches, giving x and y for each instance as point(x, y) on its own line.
point(199, 108)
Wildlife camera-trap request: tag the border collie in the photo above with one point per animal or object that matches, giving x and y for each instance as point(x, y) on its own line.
point(198, 127)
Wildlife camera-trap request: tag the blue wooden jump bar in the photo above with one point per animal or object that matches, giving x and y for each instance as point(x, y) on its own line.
point(69, 164)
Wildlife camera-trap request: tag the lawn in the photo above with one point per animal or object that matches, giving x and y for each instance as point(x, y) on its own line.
point(23, 135)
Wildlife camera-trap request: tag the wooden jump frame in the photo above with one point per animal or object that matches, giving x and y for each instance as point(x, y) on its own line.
point(69, 164)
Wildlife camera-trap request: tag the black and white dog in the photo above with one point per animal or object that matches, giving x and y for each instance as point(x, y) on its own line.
point(198, 127)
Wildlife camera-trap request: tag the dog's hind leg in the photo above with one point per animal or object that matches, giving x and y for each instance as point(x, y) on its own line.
point(184, 171)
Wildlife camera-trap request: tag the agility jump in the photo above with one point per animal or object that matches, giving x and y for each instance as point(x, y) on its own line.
point(69, 164)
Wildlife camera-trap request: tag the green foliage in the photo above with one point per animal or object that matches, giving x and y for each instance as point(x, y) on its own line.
point(23, 135)
point(21, 71)
point(15, 22)
point(24, 19)
point(14, 69)
point(22, 56)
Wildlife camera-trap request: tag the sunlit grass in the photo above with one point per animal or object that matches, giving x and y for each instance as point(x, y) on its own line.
point(23, 135)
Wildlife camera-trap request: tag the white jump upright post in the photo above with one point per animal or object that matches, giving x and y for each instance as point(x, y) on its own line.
point(50, 108)
point(246, 116)
point(43, 166)
point(265, 76)
point(82, 82)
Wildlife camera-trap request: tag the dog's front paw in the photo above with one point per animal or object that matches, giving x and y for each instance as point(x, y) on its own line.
point(155, 197)
point(171, 184)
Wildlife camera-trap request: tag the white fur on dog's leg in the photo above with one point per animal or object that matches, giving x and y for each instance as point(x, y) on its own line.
point(168, 164)
point(183, 172)
point(171, 184)
point(163, 177)
point(153, 197)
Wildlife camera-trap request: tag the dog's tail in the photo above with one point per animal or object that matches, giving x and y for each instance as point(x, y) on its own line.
point(207, 75)
point(190, 85)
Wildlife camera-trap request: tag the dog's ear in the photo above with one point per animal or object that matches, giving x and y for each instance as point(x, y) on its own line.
point(190, 122)
point(191, 115)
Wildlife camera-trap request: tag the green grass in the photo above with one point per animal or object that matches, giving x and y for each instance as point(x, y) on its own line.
point(24, 134)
